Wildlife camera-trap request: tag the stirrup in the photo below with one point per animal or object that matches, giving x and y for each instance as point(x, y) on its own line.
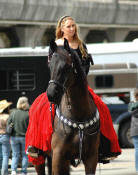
point(32, 151)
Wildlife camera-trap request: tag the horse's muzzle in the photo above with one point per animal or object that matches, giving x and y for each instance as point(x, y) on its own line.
point(54, 94)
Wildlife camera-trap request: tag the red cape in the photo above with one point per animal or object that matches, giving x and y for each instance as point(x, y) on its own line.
point(39, 132)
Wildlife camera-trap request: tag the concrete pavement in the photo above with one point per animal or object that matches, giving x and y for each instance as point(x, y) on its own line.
point(123, 165)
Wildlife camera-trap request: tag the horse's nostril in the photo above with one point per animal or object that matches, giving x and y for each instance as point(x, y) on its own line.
point(51, 96)
point(54, 97)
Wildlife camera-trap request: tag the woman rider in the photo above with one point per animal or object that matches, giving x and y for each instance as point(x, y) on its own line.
point(38, 136)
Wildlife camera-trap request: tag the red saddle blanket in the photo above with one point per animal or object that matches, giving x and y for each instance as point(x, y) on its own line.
point(40, 129)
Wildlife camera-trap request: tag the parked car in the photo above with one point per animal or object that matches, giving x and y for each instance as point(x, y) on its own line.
point(121, 120)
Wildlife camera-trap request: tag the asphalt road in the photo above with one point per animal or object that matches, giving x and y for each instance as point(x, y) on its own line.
point(123, 165)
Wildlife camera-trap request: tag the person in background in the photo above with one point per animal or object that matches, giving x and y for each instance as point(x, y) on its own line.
point(4, 138)
point(20, 120)
point(133, 108)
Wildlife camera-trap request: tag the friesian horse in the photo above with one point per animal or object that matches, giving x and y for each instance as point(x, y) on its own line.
point(76, 134)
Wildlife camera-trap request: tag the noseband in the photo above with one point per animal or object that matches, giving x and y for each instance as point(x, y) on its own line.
point(57, 83)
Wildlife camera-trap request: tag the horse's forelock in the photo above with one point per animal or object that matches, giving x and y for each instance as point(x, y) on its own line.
point(75, 59)
point(71, 57)
point(78, 64)
point(64, 54)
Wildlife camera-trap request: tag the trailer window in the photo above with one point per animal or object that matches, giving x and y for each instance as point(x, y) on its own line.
point(17, 80)
point(104, 81)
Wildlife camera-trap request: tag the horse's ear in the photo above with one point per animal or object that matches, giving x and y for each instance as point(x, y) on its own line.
point(53, 45)
point(66, 45)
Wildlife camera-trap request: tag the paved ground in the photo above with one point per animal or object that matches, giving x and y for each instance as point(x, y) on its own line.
point(123, 165)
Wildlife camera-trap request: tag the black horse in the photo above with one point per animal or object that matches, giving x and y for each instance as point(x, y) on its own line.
point(76, 133)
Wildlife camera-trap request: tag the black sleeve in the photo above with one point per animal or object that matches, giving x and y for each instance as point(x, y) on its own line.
point(89, 56)
point(86, 65)
point(86, 62)
point(90, 59)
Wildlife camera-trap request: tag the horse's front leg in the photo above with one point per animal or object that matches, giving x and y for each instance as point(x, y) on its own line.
point(91, 160)
point(49, 164)
point(90, 164)
point(60, 166)
point(40, 169)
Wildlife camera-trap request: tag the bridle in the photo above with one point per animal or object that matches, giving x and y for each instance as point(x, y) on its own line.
point(57, 83)
point(72, 67)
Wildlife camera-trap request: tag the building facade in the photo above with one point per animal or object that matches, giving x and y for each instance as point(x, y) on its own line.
point(32, 22)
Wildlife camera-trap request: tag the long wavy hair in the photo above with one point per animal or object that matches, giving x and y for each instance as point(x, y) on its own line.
point(59, 34)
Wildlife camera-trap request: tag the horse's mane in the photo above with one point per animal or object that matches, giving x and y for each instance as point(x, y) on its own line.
point(80, 75)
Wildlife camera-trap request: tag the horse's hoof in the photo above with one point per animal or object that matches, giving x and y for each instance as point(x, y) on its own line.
point(33, 152)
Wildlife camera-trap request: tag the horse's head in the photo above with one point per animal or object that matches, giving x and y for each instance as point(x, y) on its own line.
point(60, 67)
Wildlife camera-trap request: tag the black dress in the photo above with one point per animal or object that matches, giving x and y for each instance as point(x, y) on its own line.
point(84, 61)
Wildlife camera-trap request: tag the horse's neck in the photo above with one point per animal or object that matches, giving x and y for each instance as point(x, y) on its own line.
point(77, 101)
point(78, 95)
point(79, 90)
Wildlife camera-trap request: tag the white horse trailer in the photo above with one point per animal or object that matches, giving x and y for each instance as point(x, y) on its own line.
point(115, 69)
point(109, 53)
point(115, 75)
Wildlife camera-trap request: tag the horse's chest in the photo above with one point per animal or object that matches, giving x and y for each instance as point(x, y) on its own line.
point(71, 138)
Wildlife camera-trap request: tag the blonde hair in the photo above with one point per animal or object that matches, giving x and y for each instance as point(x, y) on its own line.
point(23, 103)
point(59, 34)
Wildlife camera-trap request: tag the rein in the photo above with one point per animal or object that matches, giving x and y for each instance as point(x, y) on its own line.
point(52, 117)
